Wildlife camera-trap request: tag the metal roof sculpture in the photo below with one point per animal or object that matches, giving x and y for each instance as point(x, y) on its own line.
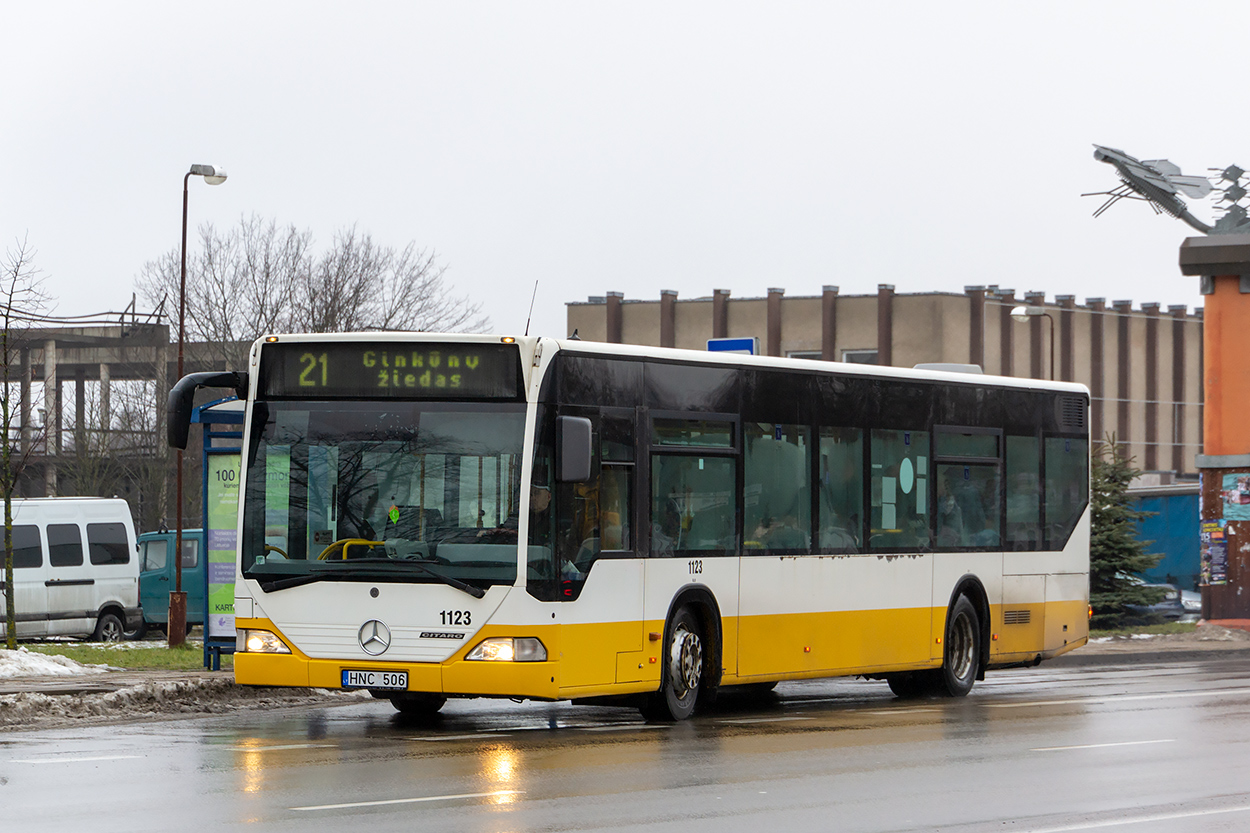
point(1161, 184)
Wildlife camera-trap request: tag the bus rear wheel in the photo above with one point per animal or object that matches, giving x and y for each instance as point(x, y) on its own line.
point(682, 672)
point(418, 704)
point(962, 654)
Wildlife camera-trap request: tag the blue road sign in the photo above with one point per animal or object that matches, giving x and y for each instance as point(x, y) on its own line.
point(749, 346)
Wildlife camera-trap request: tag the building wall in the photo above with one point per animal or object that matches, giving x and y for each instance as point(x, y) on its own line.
point(937, 327)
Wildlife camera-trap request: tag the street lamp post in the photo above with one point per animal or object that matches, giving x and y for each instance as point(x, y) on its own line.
point(1024, 314)
point(177, 622)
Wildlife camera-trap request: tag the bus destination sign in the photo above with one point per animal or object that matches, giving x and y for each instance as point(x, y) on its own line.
point(389, 370)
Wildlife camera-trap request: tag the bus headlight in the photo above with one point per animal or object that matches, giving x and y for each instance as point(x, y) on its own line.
point(509, 649)
point(253, 641)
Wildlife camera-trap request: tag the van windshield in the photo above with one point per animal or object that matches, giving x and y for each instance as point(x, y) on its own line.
point(378, 491)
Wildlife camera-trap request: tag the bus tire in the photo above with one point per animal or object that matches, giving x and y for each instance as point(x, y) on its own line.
point(682, 672)
point(417, 704)
point(962, 652)
point(109, 628)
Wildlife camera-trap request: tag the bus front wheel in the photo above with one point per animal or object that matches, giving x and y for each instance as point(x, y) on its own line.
point(682, 672)
point(962, 653)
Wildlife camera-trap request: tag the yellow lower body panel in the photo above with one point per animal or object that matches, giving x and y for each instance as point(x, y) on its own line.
point(613, 658)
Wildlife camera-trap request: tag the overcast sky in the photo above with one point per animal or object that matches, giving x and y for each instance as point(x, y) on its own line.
point(624, 146)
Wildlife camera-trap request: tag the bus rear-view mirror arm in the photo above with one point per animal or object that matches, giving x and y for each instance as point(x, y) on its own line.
point(573, 444)
point(182, 400)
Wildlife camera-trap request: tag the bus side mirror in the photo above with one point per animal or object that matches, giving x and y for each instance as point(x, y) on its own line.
point(574, 447)
point(181, 400)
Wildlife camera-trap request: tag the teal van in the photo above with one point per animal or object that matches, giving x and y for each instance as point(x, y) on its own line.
point(157, 579)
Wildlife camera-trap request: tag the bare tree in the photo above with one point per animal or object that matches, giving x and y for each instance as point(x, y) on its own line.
point(258, 278)
point(22, 298)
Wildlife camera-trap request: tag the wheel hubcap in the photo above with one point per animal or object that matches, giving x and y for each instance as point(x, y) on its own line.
point(686, 661)
point(961, 643)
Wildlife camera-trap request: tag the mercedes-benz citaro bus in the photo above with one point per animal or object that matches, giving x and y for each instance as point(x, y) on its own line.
point(430, 516)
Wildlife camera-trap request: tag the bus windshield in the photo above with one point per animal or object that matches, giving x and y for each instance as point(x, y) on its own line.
point(383, 491)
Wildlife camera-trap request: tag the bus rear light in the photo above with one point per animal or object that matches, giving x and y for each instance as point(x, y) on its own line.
point(253, 641)
point(509, 649)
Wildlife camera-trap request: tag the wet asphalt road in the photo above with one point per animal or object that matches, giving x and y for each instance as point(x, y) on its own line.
point(1143, 748)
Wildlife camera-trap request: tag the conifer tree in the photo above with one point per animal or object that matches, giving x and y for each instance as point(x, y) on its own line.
point(1116, 554)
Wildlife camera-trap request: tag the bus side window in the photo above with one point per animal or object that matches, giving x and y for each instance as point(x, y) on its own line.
point(777, 499)
point(841, 485)
point(1024, 494)
point(596, 514)
point(1067, 487)
point(900, 488)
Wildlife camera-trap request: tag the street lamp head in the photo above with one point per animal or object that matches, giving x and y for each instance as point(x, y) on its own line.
point(212, 175)
point(1023, 313)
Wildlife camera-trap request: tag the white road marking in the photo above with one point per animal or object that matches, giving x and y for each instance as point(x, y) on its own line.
point(390, 801)
point(763, 719)
point(1120, 698)
point(1094, 825)
point(478, 736)
point(906, 711)
point(284, 746)
point(626, 726)
point(73, 760)
point(1101, 745)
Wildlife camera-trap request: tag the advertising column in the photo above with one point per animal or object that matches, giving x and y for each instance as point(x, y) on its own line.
point(222, 502)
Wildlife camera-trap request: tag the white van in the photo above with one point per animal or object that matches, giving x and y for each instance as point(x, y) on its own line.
point(75, 568)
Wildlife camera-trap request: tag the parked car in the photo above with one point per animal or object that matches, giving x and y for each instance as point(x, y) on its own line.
point(1176, 605)
point(75, 569)
point(157, 579)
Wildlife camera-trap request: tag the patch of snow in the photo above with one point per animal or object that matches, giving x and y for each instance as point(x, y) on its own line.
point(24, 663)
point(32, 710)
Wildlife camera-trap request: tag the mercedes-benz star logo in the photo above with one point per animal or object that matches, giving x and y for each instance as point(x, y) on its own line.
point(375, 637)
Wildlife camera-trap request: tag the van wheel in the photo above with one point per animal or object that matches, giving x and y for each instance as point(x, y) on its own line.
point(682, 673)
point(139, 632)
point(109, 628)
point(962, 653)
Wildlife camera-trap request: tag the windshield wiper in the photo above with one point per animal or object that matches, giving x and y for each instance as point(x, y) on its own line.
point(419, 563)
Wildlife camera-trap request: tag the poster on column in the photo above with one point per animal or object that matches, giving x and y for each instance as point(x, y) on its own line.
point(1235, 495)
point(222, 501)
point(1213, 544)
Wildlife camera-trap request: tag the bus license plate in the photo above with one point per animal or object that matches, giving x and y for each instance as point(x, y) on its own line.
point(391, 680)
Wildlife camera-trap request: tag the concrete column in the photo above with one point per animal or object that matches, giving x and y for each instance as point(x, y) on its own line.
point(51, 437)
point(976, 325)
point(829, 324)
point(1178, 386)
point(885, 324)
point(613, 310)
point(1067, 338)
point(774, 321)
point(720, 313)
point(1123, 366)
point(1038, 334)
point(106, 412)
point(1006, 332)
point(1220, 261)
point(24, 400)
point(1151, 457)
point(1097, 371)
point(668, 317)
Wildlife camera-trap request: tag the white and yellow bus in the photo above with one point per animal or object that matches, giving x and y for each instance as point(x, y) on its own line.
point(432, 516)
